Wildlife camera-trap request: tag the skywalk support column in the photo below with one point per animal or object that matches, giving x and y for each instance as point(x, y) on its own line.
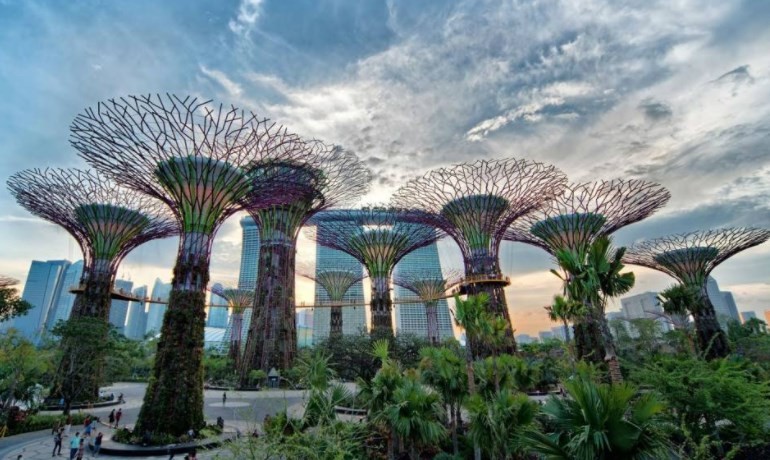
point(190, 155)
point(474, 204)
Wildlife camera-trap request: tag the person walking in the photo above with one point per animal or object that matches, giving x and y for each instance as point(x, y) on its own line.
point(111, 417)
point(98, 443)
point(224, 398)
point(57, 438)
point(68, 426)
point(88, 429)
point(74, 445)
point(81, 449)
point(117, 417)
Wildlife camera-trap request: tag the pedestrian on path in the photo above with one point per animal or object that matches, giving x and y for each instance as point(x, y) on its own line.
point(81, 449)
point(224, 398)
point(57, 438)
point(98, 443)
point(111, 417)
point(89, 428)
point(68, 426)
point(117, 417)
point(74, 445)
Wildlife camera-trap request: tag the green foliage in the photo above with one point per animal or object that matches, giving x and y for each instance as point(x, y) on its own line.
point(256, 376)
point(679, 299)
point(511, 372)
point(128, 359)
point(496, 422)
point(722, 399)
point(37, 422)
point(22, 367)
point(600, 422)
point(415, 415)
point(11, 305)
point(219, 369)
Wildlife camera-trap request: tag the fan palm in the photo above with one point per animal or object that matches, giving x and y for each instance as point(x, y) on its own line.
point(415, 413)
point(600, 422)
point(496, 422)
point(442, 369)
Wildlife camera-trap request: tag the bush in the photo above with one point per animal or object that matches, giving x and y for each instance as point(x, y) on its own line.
point(38, 422)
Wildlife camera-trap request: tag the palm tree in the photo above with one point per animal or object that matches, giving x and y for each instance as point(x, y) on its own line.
point(680, 301)
point(415, 414)
point(496, 422)
point(317, 375)
point(600, 422)
point(591, 278)
point(442, 369)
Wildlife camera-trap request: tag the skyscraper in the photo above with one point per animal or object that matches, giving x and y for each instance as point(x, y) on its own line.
point(644, 305)
point(119, 308)
point(747, 315)
point(410, 317)
point(216, 315)
point(353, 318)
point(42, 290)
point(66, 298)
point(156, 311)
point(247, 279)
point(725, 311)
point(731, 306)
point(136, 324)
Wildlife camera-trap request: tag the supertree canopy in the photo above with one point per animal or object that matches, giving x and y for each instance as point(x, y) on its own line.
point(107, 221)
point(475, 204)
point(378, 237)
point(430, 287)
point(690, 258)
point(576, 218)
point(238, 300)
point(336, 283)
point(191, 155)
point(327, 176)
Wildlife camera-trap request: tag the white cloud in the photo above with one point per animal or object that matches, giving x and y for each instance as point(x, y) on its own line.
point(248, 14)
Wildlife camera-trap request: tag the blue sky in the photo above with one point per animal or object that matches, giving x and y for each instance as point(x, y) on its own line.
point(676, 92)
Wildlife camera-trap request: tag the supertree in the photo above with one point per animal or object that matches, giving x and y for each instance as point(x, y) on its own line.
point(572, 221)
point(378, 237)
point(327, 176)
point(690, 258)
point(238, 300)
point(107, 221)
point(475, 203)
point(430, 287)
point(336, 283)
point(190, 154)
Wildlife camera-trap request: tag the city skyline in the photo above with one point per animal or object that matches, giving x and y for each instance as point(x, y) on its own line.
point(683, 103)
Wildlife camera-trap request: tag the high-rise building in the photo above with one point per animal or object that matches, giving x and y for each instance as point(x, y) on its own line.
point(725, 310)
point(66, 301)
point(305, 317)
point(217, 310)
point(545, 335)
point(247, 279)
point(644, 305)
point(156, 311)
point(410, 317)
point(119, 308)
point(136, 324)
point(44, 285)
point(747, 315)
point(523, 339)
point(559, 333)
point(353, 318)
point(731, 305)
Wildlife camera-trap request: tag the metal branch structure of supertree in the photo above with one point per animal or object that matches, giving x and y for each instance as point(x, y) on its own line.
point(430, 287)
point(690, 258)
point(238, 300)
point(576, 218)
point(378, 237)
point(191, 155)
point(107, 221)
point(336, 283)
point(474, 204)
point(326, 176)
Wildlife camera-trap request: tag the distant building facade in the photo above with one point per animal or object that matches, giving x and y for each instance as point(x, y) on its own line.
point(44, 285)
point(66, 300)
point(747, 315)
point(644, 306)
point(156, 311)
point(724, 306)
point(136, 323)
point(410, 317)
point(119, 308)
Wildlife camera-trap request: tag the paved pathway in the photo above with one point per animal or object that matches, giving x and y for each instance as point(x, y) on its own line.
point(243, 410)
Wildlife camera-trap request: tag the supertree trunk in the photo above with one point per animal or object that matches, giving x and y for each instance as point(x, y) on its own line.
point(589, 343)
point(173, 402)
point(335, 321)
point(381, 305)
point(235, 339)
point(486, 267)
point(431, 315)
point(712, 340)
point(80, 371)
point(272, 338)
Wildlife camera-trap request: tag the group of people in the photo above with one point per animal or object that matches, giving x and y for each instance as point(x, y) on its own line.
point(78, 443)
point(114, 418)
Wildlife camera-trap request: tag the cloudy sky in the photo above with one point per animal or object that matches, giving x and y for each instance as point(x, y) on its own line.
point(671, 91)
